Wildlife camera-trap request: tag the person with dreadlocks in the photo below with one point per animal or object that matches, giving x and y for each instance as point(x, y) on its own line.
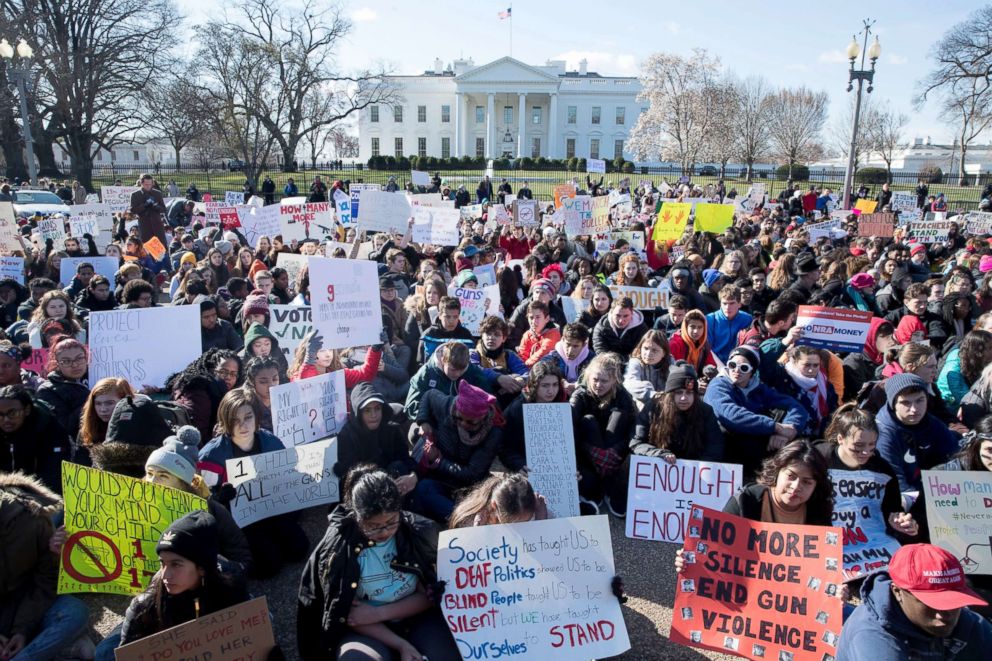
point(202, 384)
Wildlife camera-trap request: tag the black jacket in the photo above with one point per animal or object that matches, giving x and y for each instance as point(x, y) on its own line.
point(144, 619)
point(66, 399)
point(221, 336)
point(386, 447)
point(37, 448)
point(746, 503)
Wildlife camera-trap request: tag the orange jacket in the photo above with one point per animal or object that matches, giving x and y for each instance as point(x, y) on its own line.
point(533, 347)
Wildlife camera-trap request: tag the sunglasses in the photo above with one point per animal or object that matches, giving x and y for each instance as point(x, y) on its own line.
point(743, 367)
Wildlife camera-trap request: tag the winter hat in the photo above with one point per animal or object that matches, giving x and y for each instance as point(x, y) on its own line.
point(206, 303)
point(932, 575)
point(471, 251)
point(256, 303)
point(178, 455)
point(193, 537)
point(463, 264)
point(917, 249)
point(232, 237)
point(542, 283)
point(897, 383)
point(681, 375)
point(857, 252)
point(711, 277)
point(466, 276)
point(387, 282)
point(136, 429)
point(749, 353)
point(985, 265)
point(225, 247)
point(188, 258)
point(806, 263)
point(862, 281)
point(473, 402)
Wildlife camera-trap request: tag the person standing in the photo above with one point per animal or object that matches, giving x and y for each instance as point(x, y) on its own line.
point(318, 190)
point(148, 204)
point(78, 193)
point(269, 190)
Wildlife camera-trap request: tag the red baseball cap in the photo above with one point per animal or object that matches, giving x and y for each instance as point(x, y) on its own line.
point(933, 576)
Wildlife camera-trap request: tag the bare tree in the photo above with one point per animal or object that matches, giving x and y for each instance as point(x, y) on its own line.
point(345, 144)
point(171, 112)
point(721, 139)
point(317, 106)
point(752, 121)
point(868, 128)
point(680, 91)
point(887, 136)
point(798, 116)
point(962, 78)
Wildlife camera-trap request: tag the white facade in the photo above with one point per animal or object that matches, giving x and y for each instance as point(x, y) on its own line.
point(504, 108)
point(923, 154)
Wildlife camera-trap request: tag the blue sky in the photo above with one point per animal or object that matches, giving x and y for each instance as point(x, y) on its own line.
point(789, 43)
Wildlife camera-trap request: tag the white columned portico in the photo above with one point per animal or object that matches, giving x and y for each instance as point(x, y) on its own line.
point(522, 126)
point(459, 102)
point(553, 127)
point(490, 125)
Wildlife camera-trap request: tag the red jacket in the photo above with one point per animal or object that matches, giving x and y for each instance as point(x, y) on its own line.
point(352, 375)
point(533, 348)
point(516, 248)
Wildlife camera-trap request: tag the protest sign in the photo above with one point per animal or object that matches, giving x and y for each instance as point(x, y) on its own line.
point(600, 214)
point(309, 410)
point(929, 232)
point(436, 226)
point(12, 268)
point(499, 214)
point(525, 213)
point(596, 165)
point(9, 236)
point(282, 481)
point(634, 239)
point(262, 221)
point(576, 213)
point(828, 229)
point(128, 343)
point(537, 590)
point(485, 274)
point(959, 514)
point(426, 200)
point(300, 222)
point(384, 212)
point(471, 212)
point(356, 196)
point(551, 456)
point(669, 225)
point(876, 224)
point(211, 211)
point(240, 632)
point(54, 229)
point(833, 329)
point(342, 204)
point(977, 223)
point(97, 220)
point(420, 178)
point(230, 217)
point(759, 590)
point(155, 248)
point(660, 495)
point(573, 307)
point(345, 303)
point(645, 298)
point(866, 206)
point(233, 197)
point(858, 497)
point(113, 524)
point(290, 324)
point(714, 218)
point(118, 198)
point(473, 307)
point(562, 192)
point(293, 264)
point(37, 362)
point(904, 204)
point(105, 266)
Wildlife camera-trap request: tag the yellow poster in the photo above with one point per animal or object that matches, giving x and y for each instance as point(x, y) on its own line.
point(114, 523)
point(866, 206)
point(670, 223)
point(713, 217)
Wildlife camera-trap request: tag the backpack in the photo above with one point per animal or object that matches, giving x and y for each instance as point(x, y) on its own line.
point(174, 414)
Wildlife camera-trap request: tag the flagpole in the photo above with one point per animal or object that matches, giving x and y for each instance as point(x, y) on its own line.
point(511, 30)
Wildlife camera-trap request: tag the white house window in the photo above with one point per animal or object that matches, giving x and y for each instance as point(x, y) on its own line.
point(422, 114)
point(507, 115)
point(535, 115)
point(570, 148)
point(422, 147)
point(596, 112)
point(621, 115)
point(445, 114)
point(398, 147)
point(375, 146)
point(480, 115)
point(573, 114)
point(480, 147)
point(445, 147)
point(618, 149)
point(535, 149)
point(594, 148)
point(397, 113)
point(136, 157)
point(374, 114)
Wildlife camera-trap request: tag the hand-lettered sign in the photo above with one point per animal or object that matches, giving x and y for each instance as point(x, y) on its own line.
point(959, 514)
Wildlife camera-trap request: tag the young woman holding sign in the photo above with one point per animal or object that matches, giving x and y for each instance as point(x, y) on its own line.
point(504, 498)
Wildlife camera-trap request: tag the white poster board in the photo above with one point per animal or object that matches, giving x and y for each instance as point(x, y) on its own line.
point(290, 324)
point(309, 410)
point(8, 228)
point(420, 178)
point(356, 196)
point(54, 229)
point(129, 343)
point(299, 222)
point(342, 204)
point(959, 514)
point(293, 264)
point(858, 497)
point(660, 495)
point(118, 198)
point(551, 456)
point(473, 303)
point(344, 298)
point(596, 165)
point(233, 198)
point(262, 221)
point(573, 307)
point(94, 219)
point(538, 590)
point(384, 212)
point(436, 226)
point(12, 268)
point(105, 266)
point(282, 481)
point(525, 213)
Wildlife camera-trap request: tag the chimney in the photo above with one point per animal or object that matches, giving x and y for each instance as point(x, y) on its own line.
point(438, 66)
point(918, 142)
point(583, 65)
point(928, 142)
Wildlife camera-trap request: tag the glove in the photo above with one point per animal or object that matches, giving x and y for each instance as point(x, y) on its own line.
point(616, 587)
point(315, 342)
point(377, 347)
point(226, 494)
point(606, 460)
point(149, 202)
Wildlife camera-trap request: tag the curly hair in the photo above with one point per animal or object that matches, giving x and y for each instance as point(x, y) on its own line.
point(820, 506)
point(972, 352)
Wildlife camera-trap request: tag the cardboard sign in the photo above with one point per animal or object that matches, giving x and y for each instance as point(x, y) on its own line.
point(714, 218)
point(9, 236)
point(858, 496)
point(155, 248)
point(262, 221)
point(118, 198)
point(473, 307)
point(759, 590)
point(876, 224)
point(670, 223)
point(420, 178)
point(833, 329)
point(243, 631)
point(866, 206)
point(596, 165)
point(576, 213)
point(299, 222)
point(129, 344)
point(54, 229)
point(905, 205)
point(600, 214)
point(573, 307)
point(525, 213)
point(274, 483)
point(342, 205)
point(978, 223)
point(384, 212)
point(562, 192)
point(499, 214)
point(309, 410)
point(114, 523)
point(645, 298)
point(290, 324)
point(660, 495)
point(97, 220)
point(537, 590)
point(930, 232)
point(105, 266)
point(233, 197)
point(12, 268)
point(37, 362)
point(436, 226)
point(551, 456)
point(356, 196)
point(344, 299)
point(959, 514)
point(293, 264)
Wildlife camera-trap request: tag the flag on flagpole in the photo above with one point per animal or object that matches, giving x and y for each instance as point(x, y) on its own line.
point(505, 14)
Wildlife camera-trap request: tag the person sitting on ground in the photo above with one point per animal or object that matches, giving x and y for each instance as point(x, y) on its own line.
point(545, 385)
point(31, 439)
point(501, 499)
point(491, 352)
point(216, 333)
point(723, 326)
point(691, 344)
point(647, 369)
point(571, 355)
point(808, 385)
point(542, 336)
point(449, 365)
point(861, 368)
point(620, 330)
point(448, 326)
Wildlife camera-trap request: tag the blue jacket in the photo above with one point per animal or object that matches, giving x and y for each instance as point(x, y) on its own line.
point(214, 455)
point(951, 382)
point(745, 412)
point(722, 332)
point(912, 449)
point(514, 363)
point(878, 630)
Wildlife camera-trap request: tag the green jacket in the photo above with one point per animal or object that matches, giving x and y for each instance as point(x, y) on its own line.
point(431, 377)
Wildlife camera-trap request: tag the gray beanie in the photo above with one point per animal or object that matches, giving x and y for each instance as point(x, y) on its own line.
point(900, 382)
point(178, 454)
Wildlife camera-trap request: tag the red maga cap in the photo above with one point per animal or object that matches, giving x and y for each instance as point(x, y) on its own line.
point(933, 576)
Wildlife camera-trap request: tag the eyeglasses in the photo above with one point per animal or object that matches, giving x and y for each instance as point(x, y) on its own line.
point(12, 414)
point(226, 374)
point(743, 368)
point(380, 529)
point(70, 362)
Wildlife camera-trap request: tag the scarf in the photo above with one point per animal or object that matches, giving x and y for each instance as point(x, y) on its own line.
point(814, 388)
point(694, 351)
point(473, 439)
point(857, 298)
point(495, 359)
point(571, 366)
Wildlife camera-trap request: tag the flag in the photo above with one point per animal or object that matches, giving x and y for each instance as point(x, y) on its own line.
point(505, 14)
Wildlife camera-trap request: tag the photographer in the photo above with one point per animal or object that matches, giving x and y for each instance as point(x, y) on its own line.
point(148, 205)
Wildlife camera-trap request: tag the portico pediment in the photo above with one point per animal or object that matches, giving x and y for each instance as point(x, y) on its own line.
point(509, 71)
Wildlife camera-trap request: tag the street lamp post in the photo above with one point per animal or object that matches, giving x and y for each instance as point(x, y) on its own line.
point(861, 75)
point(19, 73)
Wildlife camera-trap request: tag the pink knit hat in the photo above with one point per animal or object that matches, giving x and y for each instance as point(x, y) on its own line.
point(985, 265)
point(862, 280)
point(473, 402)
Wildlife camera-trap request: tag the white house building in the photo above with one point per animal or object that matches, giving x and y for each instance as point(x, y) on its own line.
point(922, 154)
point(504, 109)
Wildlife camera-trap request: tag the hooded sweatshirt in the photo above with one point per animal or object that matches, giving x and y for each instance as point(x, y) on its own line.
point(257, 331)
point(607, 337)
point(910, 449)
point(384, 446)
point(878, 630)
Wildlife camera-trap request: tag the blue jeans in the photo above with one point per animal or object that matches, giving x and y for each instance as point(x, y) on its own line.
point(105, 649)
point(63, 623)
point(432, 499)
